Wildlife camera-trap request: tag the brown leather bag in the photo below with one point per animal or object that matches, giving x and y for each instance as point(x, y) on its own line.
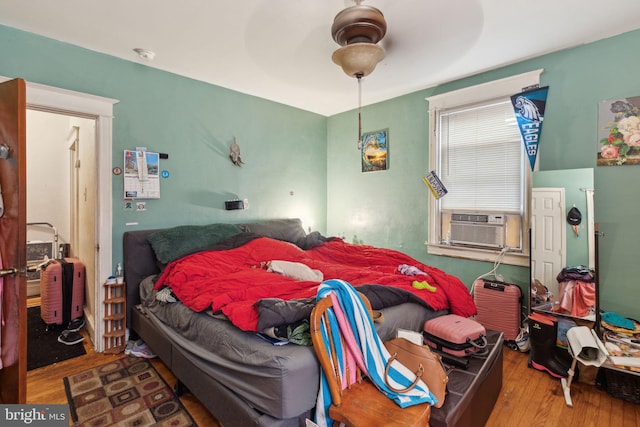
point(424, 363)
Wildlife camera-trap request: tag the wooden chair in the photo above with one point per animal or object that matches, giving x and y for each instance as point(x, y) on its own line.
point(360, 404)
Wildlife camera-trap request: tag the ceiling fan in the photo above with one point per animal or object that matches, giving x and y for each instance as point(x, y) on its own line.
point(358, 29)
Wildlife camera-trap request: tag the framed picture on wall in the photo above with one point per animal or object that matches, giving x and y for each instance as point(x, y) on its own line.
point(375, 150)
point(619, 132)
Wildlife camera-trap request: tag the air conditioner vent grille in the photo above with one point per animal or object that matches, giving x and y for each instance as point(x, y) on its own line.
point(483, 230)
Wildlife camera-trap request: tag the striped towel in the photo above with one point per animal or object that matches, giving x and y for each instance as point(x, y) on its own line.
point(363, 348)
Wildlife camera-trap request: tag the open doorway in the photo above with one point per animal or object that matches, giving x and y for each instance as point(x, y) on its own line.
point(46, 98)
point(100, 110)
point(61, 211)
point(61, 168)
point(61, 216)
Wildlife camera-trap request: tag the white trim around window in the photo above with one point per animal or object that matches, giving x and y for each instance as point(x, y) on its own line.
point(474, 94)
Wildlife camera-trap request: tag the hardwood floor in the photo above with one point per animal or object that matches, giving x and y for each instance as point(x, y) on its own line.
point(44, 385)
point(528, 397)
point(533, 398)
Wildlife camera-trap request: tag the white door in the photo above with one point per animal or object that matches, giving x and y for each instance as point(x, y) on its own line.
point(548, 248)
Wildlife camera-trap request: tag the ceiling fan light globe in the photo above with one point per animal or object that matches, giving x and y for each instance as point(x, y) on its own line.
point(358, 59)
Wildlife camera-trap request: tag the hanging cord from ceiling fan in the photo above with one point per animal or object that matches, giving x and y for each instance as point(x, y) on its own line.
point(359, 77)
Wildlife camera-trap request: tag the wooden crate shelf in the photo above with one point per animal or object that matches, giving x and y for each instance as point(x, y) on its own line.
point(115, 318)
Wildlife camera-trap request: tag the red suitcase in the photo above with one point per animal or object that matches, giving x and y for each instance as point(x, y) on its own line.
point(455, 335)
point(62, 284)
point(499, 306)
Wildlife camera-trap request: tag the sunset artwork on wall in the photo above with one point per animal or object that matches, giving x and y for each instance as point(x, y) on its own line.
point(375, 146)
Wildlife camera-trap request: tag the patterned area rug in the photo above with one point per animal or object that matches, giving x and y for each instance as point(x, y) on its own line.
point(126, 392)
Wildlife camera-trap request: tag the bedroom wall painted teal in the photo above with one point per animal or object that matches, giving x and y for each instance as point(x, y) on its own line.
point(389, 208)
point(283, 148)
point(195, 122)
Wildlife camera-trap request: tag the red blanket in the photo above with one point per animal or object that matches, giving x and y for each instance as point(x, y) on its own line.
point(231, 281)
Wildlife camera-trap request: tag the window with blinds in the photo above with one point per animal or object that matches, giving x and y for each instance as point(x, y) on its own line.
point(476, 150)
point(481, 158)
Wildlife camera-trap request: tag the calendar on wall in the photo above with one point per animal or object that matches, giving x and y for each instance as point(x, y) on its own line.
point(141, 175)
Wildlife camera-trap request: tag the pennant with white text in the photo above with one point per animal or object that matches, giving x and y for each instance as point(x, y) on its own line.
point(529, 108)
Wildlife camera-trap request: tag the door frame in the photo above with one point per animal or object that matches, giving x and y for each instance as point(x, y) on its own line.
point(63, 101)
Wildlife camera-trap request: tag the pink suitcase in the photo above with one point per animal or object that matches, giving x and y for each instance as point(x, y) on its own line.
point(499, 306)
point(62, 284)
point(455, 335)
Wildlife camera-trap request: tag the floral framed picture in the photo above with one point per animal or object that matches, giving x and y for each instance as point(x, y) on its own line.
point(619, 132)
point(374, 150)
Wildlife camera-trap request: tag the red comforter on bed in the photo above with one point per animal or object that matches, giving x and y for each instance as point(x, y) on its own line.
point(231, 281)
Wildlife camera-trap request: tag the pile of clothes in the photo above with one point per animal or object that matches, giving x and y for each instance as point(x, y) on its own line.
point(577, 291)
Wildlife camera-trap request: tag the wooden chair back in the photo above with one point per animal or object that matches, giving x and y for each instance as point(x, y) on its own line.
point(358, 403)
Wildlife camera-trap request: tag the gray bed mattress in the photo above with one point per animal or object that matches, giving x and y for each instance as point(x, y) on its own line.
point(281, 381)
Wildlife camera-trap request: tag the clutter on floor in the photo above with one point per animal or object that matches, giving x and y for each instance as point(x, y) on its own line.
point(584, 346)
point(544, 353)
point(43, 347)
point(138, 348)
point(621, 338)
point(71, 335)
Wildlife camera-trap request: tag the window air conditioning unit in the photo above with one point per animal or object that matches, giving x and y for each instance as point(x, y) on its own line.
point(37, 250)
point(482, 230)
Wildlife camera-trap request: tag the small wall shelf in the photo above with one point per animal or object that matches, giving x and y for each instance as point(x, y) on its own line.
point(114, 318)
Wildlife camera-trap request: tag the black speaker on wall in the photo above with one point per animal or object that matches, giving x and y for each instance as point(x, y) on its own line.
point(233, 204)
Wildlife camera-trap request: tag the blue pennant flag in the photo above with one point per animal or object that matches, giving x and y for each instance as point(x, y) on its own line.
point(529, 108)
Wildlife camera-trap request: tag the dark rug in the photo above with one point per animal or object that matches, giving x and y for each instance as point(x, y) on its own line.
point(128, 392)
point(43, 347)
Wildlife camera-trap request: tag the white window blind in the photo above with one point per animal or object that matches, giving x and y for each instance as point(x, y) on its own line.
point(481, 158)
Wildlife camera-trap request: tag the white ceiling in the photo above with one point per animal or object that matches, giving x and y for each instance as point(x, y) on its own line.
point(281, 49)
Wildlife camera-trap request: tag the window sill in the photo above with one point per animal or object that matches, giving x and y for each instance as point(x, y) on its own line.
point(510, 258)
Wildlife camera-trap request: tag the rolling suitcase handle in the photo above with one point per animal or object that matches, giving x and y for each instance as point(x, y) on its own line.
point(481, 345)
